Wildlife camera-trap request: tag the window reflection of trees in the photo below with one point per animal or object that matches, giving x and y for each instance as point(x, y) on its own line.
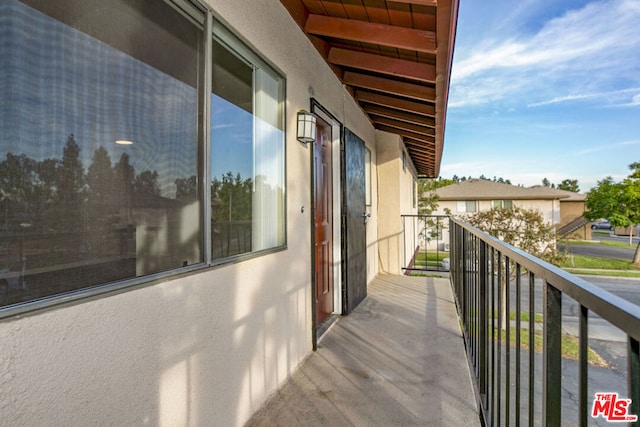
point(231, 212)
point(63, 228)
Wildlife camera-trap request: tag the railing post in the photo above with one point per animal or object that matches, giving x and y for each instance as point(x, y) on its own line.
point(633, 372)
point(583, 367)
point(532, 334)
point(464, 280)
point(552, 356)
point(404, 242)
point(483, 323)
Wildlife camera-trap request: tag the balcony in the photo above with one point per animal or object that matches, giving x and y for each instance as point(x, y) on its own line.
point(399, 359)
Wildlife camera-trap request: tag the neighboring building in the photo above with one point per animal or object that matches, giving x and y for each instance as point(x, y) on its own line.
point(572, 222)
point(169, 249)
point(558, 207)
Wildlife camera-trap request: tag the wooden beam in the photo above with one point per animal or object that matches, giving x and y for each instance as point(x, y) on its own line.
point(433, 3)
point(421, 160)
point(369, 32)
point(446, 18)
point(423, 147)
point(427, 151)
point(383, 64)
point(397, 103)
point(418, 161)
point(420, 92)
point(422, 130)
point(421, 165)
point(297, 10)
point(399, 115)
point(421, 140)
point(417, 152)
point(423, 157)
point(427, 140)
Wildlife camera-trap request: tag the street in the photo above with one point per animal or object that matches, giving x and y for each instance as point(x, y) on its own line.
point(608, 341)
point(600, 251)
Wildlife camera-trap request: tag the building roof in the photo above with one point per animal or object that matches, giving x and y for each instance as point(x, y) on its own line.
point(394, 57)
point(482, 189)
point(570, 195)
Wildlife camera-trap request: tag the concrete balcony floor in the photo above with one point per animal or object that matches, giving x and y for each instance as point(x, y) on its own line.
point(397, 360)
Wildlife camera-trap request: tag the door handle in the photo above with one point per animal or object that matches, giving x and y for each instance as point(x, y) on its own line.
point(366, 216)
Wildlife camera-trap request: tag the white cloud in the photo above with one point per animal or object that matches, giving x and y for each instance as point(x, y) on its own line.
point(559, 99)
point(611, 96)
point(635, 102)
point(607, 147)
point(579, 53)
point(222, 126)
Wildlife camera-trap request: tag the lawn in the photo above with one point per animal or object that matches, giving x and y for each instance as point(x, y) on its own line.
point(432, 256)
point(590, 242)
point(433, 259)
point(570, 344)
point(581, 262)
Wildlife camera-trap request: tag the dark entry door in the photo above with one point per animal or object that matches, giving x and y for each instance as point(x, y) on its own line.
point(323, 221)
point(355, 222)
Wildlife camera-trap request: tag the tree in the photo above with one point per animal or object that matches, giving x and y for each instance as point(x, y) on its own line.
point(427, 199)
point(100, 176)
point(523, 228)
point(186, 188)
point(428, 226)
point(71, 174)
point(147, 183)
point(70, 181)
point(124, 176)
point(546, 182)
point(569, 185)
point(101, 208)
point(17, 176)
point(619, 202)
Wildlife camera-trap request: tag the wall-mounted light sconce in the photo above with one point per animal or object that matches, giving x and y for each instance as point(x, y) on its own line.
point(306, 127)
point(123, 142)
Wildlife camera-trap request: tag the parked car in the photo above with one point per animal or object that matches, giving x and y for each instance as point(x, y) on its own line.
point(601, 225)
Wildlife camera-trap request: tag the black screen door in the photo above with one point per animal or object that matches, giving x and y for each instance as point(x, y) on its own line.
point(355, 218)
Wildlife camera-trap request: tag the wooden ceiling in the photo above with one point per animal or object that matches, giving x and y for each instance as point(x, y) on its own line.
point(394, 57)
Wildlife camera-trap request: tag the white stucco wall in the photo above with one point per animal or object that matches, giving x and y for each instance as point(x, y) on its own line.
point(207, 348)
point(396, 199)
point(372, 224)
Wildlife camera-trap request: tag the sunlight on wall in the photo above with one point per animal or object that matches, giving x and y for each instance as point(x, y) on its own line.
point(174, 395)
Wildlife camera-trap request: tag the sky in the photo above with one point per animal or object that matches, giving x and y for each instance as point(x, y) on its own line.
point(544, 89)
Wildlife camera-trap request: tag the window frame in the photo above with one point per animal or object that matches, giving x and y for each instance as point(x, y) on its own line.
point(466, 206)
point(503, 203)
point(222, 34)
point(212, 26)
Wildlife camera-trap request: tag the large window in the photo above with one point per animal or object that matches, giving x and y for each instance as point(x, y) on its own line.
point(247, 152)
point(102, 145)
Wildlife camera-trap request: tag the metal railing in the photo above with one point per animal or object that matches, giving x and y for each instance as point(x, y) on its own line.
point(518, 382)
point(425, 243)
